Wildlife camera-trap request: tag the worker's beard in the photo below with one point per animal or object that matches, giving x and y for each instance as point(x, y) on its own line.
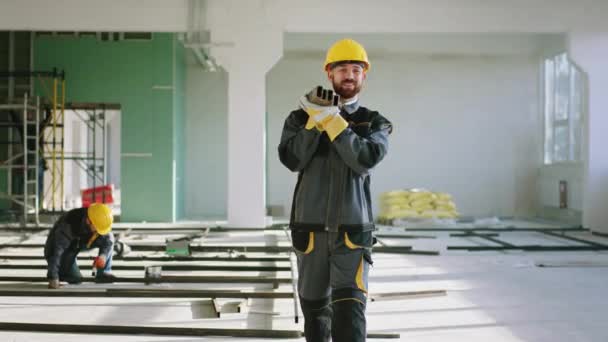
point(345, 90)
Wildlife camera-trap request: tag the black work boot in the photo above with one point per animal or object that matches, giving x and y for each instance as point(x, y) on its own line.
point(71, 279)
point(348, 323)
point(105, 278)
point(317, 319)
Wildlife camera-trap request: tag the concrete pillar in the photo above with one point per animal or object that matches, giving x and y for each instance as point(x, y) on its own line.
point(590, 51)
point(255, 45)
point(246, 145)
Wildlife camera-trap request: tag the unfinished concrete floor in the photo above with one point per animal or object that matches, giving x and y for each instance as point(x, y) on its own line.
point(491, 296)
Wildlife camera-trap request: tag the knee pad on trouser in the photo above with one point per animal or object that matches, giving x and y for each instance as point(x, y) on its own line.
point(317, 319)
point(348, 322)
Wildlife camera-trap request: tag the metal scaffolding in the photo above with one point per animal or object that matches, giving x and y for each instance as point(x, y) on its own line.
point(48, 135)
point(23, 156)
point(94, 160)
point(51, 135)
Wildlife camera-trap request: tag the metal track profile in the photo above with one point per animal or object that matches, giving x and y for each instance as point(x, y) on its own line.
point(161, 248)
point(147, 330)
point(225, 268)
point(241, 249)
point(505, 246)
point(404, 236)
point(168, 279)
point(154, 258)
point(162, 331)
point(570, 229)
point(529, 248)
point(146, 293)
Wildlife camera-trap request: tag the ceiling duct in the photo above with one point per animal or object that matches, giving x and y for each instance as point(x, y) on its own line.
point(197, 39)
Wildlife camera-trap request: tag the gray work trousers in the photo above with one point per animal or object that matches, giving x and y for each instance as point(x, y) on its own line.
point(333, 273)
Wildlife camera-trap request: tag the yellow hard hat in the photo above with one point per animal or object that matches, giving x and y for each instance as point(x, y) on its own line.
point(101, 218)
point(346, 50)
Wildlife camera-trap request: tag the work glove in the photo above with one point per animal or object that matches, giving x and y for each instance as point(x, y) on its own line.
point(54, 284)
point(322, 97)
point(321, 105)
point(99, 262)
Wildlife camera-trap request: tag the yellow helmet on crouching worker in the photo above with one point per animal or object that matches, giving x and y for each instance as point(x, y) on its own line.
point(346, 50)
point(101, 218)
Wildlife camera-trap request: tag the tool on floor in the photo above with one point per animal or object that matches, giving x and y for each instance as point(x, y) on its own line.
point(121, 249)
point(179, 247)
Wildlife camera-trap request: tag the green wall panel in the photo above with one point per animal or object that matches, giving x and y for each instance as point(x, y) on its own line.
point(138, 75)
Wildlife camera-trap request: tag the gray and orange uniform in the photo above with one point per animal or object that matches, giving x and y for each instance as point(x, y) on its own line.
point(331, 216)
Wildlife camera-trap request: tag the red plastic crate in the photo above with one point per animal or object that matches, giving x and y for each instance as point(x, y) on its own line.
point(103, 194)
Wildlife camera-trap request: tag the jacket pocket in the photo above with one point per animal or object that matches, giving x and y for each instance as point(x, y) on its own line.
point(303, 242)
point(355, 240)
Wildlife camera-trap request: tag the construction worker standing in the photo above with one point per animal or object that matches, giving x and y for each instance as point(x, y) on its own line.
point(333, 144)
point(80, 229)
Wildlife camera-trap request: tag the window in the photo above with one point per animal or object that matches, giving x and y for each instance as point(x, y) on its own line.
point(564, 105)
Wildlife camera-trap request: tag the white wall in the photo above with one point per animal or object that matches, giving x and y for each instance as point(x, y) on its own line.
point(465, 125)
point(549, 178)
point(206, 144)
point(589, 49)
point(468, 125)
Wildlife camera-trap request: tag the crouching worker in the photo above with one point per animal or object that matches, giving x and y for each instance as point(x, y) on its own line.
point(77, 230)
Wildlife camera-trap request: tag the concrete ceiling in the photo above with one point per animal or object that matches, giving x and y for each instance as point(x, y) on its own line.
point(383, 44)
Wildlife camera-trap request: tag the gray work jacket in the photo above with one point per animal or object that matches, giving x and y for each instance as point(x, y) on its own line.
point(333, 188)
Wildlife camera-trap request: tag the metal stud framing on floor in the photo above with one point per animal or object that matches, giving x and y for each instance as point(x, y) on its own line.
point(241, 266)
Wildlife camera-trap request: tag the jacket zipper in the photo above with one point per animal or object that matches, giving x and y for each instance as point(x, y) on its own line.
point(339, 202)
